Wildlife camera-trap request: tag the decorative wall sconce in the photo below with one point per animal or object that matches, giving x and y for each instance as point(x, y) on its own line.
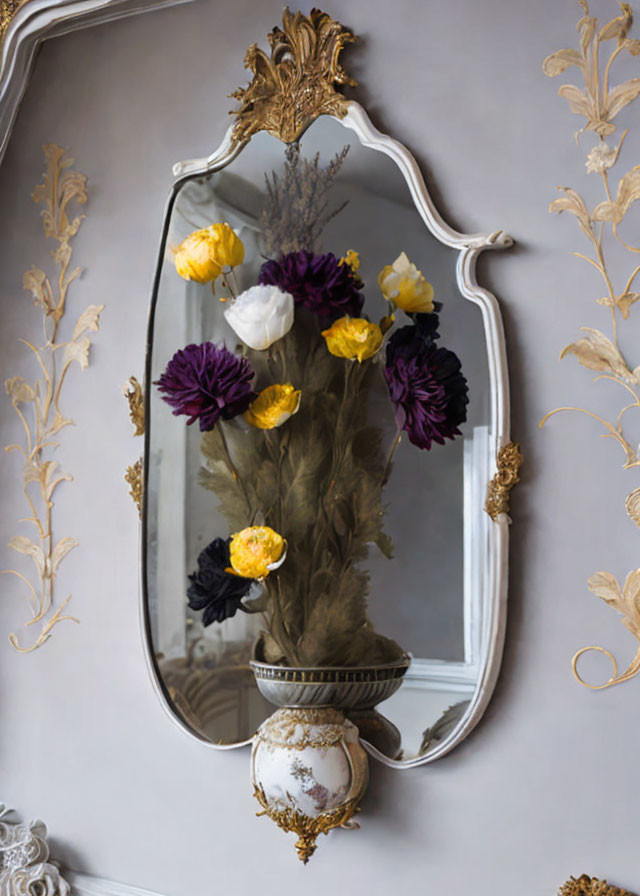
point(301, 336)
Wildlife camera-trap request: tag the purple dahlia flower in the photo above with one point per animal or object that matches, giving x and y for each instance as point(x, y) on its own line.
point(206, 382)
point(427, 387)
point(319, 282)
point(212, 589)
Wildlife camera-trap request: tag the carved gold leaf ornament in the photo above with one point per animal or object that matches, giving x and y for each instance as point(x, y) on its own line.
point(38, 405)
point(8, 9)
point(590, 886)
point(600, 103)
point(509, 462)
point(297, 82)
point(133, 476)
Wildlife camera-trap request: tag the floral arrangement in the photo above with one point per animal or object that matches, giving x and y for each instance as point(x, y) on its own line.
point(296, 464)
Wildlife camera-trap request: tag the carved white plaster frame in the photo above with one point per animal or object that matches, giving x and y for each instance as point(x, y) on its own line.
point(469, 246)
point(37, 20)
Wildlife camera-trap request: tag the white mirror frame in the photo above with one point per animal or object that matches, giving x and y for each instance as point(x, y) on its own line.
point(482, 660)
point(37, 20)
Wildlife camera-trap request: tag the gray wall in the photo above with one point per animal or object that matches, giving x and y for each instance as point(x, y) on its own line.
point(547, 785)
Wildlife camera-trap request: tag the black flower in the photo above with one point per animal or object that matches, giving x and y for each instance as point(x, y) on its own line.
point(212, 589)
point(427, 386)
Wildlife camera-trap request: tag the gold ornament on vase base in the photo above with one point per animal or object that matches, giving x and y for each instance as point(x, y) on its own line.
point(37, 404)
point(604, 226)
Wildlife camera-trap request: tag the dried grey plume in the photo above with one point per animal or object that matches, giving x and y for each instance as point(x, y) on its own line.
point(296, 208)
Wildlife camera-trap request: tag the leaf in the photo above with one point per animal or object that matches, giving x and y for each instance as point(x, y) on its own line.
point(37, 282)
point(573, 203)
point(47, 475)
point(77, 350)
point(61, 550)
point(89, 320)
point(632, 45)
point(24, 545)
point(579, 101)
point(618, 27)
point(628, 188)
point(18, 390)
point(607, 210)
point(587, 28)
point(558, 62)
point(620, 96)
point(624, 303)
point(632, 506)
point(597, 352)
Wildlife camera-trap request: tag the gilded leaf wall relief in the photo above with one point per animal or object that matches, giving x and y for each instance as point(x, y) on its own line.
point(605, 227)
point(38, 403)
point(133, 476)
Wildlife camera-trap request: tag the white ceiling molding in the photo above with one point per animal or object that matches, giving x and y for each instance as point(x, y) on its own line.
point(38, 20)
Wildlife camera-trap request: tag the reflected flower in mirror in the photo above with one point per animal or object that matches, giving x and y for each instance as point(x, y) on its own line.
point(294, 433)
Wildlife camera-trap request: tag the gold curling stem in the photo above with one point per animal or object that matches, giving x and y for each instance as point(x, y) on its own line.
point(632, 670)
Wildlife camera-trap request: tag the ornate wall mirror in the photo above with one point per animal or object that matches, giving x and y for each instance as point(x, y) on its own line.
point(345, 380)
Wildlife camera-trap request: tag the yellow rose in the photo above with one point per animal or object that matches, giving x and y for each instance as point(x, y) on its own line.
point(403, 284)
point(273, 406)
point(354, 338)
point(256, 551)
point(204, 253)
point(352, 260)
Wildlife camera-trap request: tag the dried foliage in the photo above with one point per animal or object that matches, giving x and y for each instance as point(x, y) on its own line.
point(600, 103)
point(323, 493)
point(40, 400)
point(297, 205)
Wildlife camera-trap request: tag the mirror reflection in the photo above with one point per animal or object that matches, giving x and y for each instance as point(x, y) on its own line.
point(372, 536)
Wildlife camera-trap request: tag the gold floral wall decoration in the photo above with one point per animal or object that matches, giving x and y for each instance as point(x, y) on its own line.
point(134, 394)
point(38, 404)
point(603, 226)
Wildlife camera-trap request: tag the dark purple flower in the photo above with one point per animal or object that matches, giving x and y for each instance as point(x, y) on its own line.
point(319, 282)
point(212, 589)
point(427, 387)
point(206, 382)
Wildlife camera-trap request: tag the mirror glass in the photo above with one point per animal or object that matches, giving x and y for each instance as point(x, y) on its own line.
point(429, 596)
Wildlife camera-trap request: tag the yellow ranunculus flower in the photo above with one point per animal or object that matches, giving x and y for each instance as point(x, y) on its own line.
point(204, 253)
point(353, 337)
point(229, 248)
point(273, 406)
point(352, 259)
point(256, 551)
point(403, 284)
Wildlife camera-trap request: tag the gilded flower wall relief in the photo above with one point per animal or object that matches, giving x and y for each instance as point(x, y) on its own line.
point(603, 224)
point(38, 403)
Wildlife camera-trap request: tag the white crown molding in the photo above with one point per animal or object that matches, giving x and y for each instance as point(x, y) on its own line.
point(38, 20)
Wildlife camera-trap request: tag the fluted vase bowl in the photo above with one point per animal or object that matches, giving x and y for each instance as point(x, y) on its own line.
point(342, 687)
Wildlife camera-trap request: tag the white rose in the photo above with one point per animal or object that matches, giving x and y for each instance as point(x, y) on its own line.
point(261, 315)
